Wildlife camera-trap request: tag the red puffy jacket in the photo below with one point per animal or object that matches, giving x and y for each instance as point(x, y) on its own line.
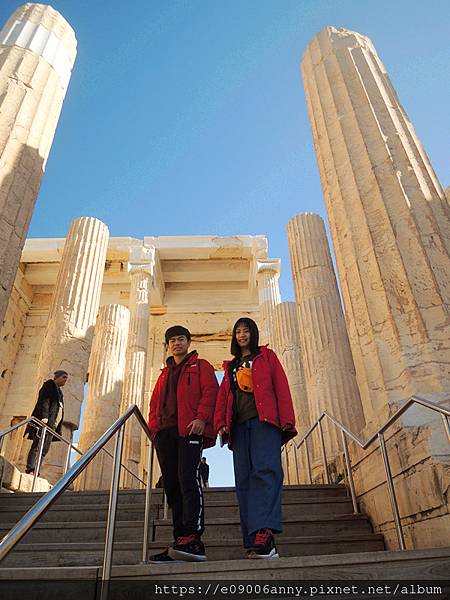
point(196, 398)
point(272, 395)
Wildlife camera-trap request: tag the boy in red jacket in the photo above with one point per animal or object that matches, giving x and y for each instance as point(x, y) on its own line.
point(181, 425)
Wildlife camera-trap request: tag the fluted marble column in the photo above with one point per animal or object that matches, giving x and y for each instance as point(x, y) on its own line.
point(268, 273)
point(68, 336)
point(37, 52)
point(289, 353)
point(102, 405)
point(389, 220)
point(327, 361)
point(141, 268)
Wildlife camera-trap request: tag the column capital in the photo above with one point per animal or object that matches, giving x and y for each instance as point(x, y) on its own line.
point(142, 258)
point(268, 264)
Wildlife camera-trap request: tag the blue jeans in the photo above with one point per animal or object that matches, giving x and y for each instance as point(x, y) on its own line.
point(259, 477)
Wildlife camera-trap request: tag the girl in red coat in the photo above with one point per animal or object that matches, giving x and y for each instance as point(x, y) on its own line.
point(255, 415)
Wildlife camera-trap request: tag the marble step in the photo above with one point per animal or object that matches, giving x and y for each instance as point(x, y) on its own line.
point(67, 554)
point(218, 529)
point(135, 511)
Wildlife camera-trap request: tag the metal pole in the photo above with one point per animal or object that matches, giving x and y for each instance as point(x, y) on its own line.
point(348, 464)
point(324, 454)
point(148, 503)
point(37, 464)
point(69, 450)
point(308, 462)
point(166, 507)
point(296, 463)
point(393, 499)
point(288, 475)
point(112, 513)
point(446, 425)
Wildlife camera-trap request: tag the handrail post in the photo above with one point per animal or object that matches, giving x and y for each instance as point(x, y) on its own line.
point(446, 422)
point(148, 502)
point(112, 513)
point(349, 473)
point(296, 463)
point(390, 484)
point(308, 461)
point(324, 454)
point(166, 507)
point(286, 458)
point(37, 463)
point(69, 450)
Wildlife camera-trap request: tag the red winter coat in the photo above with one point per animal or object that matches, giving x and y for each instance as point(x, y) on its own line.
point(196, 398)
point(272, 395)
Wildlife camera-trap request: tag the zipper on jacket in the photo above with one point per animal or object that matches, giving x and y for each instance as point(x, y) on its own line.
point(189, 379)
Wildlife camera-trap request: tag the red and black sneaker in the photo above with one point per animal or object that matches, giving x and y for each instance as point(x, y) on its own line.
point(264, 546)
point(189, 548)
point(162, 557)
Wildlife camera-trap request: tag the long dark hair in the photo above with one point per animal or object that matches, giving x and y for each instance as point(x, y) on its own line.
point(254, 336)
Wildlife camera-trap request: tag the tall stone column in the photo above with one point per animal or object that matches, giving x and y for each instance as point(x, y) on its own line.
point(327, 361)
point(267, 274)
point(390, 224)
point(141, 267)
point(389, 220)
point(289, 353)
point(68, 336)
point(37, 52)
point(102, 405)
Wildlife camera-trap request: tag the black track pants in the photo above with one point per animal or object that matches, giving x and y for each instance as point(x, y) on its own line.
point(179, 459)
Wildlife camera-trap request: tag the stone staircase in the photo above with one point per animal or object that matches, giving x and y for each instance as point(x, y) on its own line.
point(322, 538)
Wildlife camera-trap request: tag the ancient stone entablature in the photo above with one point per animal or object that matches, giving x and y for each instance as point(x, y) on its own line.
point(202, 282)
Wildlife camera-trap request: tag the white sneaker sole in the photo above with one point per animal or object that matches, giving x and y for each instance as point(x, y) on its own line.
point(271, 556)
point(185, 556)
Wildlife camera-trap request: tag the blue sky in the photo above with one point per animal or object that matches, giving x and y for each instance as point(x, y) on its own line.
point(188, 117)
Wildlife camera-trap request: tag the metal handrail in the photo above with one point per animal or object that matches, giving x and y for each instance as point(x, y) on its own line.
point(14, 536)
point(378, 435)
point(37, 423)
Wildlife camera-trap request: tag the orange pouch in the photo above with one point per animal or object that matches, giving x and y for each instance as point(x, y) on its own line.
point(244, 379)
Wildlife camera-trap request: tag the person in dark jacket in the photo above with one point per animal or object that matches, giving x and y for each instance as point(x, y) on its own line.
point(50, 410)
point(255, 415)
point(181, 424)
point(204, 472)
